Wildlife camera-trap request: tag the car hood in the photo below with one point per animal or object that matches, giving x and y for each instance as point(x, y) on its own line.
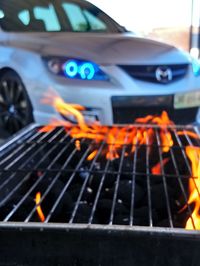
point(101, 48)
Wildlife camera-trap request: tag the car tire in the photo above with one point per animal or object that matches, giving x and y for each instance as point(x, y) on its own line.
point(15, 105)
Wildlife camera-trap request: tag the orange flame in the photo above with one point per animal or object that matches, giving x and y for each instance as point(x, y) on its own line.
point(92, 155)
point(65, 109)
point(163, 121)
point(78, 145)
point(156, 170)
point(39, 209)
point(115, 138)
point(188, 133)
point(193, 154)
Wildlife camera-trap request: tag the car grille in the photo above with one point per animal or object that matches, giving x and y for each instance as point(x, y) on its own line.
point(148, 72)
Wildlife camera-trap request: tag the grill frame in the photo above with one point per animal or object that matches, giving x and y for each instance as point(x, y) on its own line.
point(46, 139)
point(80, 245)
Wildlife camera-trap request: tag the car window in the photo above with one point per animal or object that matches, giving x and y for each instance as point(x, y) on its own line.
point(54, 15)
point(48, 16)
point(81, 19)
point(76, 16)
point(95, 23)
point(24, 16)
point(1, 14)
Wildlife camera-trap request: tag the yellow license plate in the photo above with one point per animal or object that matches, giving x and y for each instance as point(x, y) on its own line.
point(187, 100)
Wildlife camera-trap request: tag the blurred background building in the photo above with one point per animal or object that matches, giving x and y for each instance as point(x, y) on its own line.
point(174, 22)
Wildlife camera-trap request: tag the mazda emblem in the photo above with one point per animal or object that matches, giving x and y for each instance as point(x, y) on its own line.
point(164, 74)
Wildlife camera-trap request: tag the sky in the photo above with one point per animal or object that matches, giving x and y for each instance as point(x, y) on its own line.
point(148, 14)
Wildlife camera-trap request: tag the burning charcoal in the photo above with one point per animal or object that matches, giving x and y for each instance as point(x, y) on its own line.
point(158, 197)
point(121, 219)
point(181, 164)
point(156, 180)
point(76, 157)
point(165, 223)
point(87, 194)
point(83, 213)
point(25, 208)
point(141, 216)
point(84, 173)
point(141, 180)
point(64, 178)
point(96, 178)
point(127, 165)
point(125, 192)
point(65, 205)
point(104, 209)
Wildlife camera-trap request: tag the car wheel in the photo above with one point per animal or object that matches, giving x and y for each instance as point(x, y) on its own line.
point(15, 106)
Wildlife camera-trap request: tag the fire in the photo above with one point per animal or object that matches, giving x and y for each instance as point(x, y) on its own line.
point(39, 209)
point(188, 133)
point(193, 154)
point(78, 145)
point(92, 155)
point(157, 169)
point(163, 121)
point(65, 109)
point(115, 138)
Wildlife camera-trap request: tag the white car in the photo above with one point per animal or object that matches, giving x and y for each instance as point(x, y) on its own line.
point(77, 50)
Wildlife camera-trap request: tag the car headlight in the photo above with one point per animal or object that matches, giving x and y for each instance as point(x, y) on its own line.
point(196, 67)
point(75, 69)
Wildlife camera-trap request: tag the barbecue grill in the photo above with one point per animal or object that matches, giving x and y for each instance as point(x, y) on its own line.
point(131, 210)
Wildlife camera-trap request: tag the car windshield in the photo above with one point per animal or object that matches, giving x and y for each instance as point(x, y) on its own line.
point(54, 16)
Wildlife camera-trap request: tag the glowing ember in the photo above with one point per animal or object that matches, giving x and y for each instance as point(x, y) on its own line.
point(193, 154)
point(39, 209)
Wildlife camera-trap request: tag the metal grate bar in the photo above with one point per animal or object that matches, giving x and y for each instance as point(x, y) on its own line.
point(23, 180)
point(98, 193)
point(164, 178)
point(22, 154)
point(16, 150)
point(182, 188)
point(18, 205)
point(44, 162)
point(84, 185)
point(117, 183)
point(183, 152)
point(148, 182)
point(68, 183)
point(133, 184)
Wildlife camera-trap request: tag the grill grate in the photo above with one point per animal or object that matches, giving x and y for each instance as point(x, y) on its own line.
point(75, 190)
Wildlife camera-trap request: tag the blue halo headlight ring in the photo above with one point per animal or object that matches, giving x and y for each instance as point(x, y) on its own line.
point(71, 69)
point(84, 70)
point(87, 71)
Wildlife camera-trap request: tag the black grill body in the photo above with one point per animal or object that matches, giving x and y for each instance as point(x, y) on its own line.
point(80, 238)
point(128, 108)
